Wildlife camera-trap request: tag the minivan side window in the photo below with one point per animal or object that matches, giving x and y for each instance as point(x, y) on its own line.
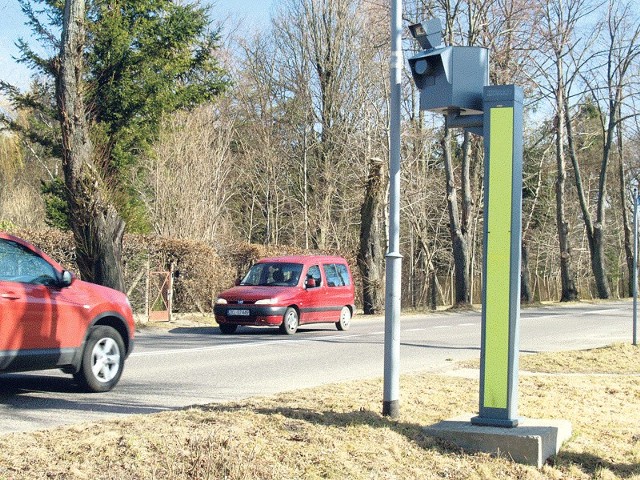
point(314, 272)
point(333, 278)
point(344, 273)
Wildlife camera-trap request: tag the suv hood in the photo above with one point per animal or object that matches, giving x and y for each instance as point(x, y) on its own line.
point(106, 292)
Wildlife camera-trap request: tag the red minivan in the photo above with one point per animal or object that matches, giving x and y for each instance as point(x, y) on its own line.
point(50, 319)
point(289, 292)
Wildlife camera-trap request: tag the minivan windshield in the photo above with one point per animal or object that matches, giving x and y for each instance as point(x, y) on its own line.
point(273, 274)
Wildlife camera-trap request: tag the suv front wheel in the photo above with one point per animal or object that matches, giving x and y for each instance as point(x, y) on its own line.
point(102, 360)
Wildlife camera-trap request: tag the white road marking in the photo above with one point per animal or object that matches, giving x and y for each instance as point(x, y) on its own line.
point(210, 348)
point(173, 351)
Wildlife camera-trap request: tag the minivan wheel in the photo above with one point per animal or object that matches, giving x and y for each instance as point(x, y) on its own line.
point(228, 328)
point(102, 360)
point(345, 319)
point(290, 321)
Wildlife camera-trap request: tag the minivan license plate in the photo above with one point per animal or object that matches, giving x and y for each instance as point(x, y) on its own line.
point(238, 313)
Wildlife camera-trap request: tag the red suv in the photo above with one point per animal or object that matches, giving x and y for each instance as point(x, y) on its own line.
point(49, 319)
point(288, 292)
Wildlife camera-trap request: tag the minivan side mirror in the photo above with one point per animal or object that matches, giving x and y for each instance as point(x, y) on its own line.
point(310, 283)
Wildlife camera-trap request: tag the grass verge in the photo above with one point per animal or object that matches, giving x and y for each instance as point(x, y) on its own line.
point(337, 431)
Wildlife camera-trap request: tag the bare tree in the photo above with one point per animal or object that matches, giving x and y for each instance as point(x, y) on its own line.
point(190, 174)
point(425, 211)
point(608, 84)
point(557, 30)
point(370, 253)
point(319, 42)
point(458, 223)
point(269, 119)
point(96, 225)
point(313, 113)
point(502, 27)
point(535, 156)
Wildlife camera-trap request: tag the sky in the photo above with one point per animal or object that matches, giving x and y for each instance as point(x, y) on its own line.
point(252, 12)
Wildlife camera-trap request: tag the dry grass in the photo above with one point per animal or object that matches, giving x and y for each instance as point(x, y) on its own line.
point(620, 358)
point(337, 432)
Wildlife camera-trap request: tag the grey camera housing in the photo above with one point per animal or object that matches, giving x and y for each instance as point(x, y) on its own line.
point(451, 79)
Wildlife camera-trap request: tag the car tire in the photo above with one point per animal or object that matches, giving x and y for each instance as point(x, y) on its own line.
point(228, 328)
point(345, 319)
point(290, 321)
point(102, 360)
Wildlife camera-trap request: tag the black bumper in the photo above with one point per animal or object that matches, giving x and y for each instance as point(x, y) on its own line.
point(257, 313)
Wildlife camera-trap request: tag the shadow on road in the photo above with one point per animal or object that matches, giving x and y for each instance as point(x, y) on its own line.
point(22, 392)
point(250, 331)
point(195, 330)
point(16, 384)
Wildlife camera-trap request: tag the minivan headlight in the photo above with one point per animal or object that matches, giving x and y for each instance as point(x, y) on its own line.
point(220, 301)
point(266, 301)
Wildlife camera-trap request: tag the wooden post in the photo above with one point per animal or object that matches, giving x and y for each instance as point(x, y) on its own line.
point(146, 290)
point(170, 292)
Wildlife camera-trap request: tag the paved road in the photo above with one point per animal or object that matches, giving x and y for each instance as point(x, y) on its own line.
point(186, 366)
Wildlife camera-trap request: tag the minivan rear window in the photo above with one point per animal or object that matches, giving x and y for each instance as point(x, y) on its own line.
point(344, 274)
point(337, 275)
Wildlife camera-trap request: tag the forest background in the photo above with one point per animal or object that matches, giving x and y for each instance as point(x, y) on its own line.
point(213, 145)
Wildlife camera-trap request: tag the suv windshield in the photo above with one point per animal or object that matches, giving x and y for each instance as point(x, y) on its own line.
point(273, 274)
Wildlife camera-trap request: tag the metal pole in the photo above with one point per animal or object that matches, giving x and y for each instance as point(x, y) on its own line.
point(390, 404)
point(635, 266)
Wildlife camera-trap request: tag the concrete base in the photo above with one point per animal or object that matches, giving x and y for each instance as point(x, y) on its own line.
point(532, 442)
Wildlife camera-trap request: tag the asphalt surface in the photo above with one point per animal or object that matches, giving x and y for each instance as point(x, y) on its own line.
point(181, 366)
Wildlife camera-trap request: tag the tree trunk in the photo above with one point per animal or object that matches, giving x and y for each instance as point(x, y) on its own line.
point(597, 264)
point(96, 226)
point(525, 286)
point(370, 254)
point(597, 254)
point(458, 240)
point(628, 240)
point(569, 290)
point(594, 231)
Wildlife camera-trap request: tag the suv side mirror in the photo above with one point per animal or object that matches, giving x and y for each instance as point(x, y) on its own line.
point(310, 283)
point(66, 279)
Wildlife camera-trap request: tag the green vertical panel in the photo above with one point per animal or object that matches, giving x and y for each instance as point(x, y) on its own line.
point(498, 258)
